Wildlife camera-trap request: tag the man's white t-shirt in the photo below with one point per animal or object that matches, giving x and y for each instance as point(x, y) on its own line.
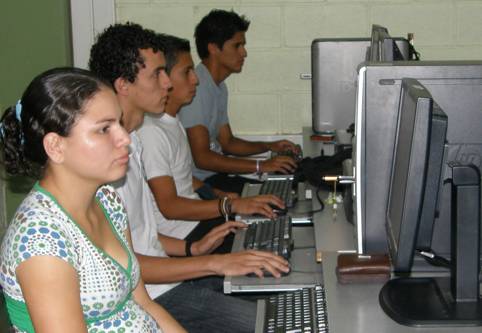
point(143, 215)
point(166, 152)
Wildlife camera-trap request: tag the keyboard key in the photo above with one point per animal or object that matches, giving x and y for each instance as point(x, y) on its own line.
point(297, 311)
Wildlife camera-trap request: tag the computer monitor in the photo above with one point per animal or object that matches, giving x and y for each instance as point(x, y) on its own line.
point(426, 301)
point(334, 64)
point(418, 156)
point(333, 75)
point(456, 86)
point(383, 47)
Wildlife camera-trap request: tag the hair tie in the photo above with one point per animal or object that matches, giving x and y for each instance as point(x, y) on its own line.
point(18, 110)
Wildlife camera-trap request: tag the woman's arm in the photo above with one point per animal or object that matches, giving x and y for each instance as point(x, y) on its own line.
point(51, 291)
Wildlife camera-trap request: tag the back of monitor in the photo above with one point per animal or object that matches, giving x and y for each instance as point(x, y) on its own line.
point(457, 87)
point(333, 67)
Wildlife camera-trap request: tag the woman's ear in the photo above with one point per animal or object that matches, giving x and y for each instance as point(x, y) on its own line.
point(54, 147)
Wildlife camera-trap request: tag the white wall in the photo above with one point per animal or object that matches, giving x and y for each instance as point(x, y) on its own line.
point(88, 17)
point(268, 97)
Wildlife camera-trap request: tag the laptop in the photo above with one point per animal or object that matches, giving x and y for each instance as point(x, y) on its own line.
point(305, 271)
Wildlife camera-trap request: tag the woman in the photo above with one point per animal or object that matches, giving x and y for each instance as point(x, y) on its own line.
point(66, 259)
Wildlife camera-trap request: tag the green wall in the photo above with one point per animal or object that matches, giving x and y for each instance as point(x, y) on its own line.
point(34, 36)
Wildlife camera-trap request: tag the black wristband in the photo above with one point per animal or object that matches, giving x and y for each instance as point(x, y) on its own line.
point(188, 248)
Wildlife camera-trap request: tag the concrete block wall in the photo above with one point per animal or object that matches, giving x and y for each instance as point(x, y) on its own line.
point(268, 97)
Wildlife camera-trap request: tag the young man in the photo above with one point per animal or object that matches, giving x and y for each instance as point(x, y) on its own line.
point(168, 162)
point(220, 41)
point(130, 58)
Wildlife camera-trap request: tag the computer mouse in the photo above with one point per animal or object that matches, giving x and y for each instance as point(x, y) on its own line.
point(278, 210)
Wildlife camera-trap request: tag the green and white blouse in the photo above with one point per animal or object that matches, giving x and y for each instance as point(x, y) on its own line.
point(41, 227)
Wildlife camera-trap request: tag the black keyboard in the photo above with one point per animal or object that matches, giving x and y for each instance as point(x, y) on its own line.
point(270, 235)
point(302, 310)
point(296, 156)
point(282, 187)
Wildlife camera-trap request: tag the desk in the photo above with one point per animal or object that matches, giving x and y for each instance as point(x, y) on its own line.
point(354, 307)
point(332, 234)
point(351, 307)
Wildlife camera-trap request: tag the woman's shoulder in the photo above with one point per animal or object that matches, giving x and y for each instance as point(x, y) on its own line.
point(38, 207)
point(113, 206)
point(39, 227)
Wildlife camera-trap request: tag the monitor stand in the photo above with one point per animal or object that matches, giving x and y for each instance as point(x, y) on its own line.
point(446, 302)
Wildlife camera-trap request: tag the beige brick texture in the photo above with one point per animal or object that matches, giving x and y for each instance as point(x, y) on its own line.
point(268, 97)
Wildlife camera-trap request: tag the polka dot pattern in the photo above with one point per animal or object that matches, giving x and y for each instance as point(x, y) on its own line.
point(41, 228)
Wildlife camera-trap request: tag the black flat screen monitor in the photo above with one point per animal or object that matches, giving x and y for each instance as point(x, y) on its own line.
point(417, 164)
point(383, 47)
point(430, 301)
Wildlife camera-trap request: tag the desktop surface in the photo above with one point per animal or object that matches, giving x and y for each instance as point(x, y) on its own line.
point(355, 308)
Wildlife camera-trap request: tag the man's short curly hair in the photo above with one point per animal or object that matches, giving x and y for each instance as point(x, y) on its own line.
point(116, 53)
point(217, 27)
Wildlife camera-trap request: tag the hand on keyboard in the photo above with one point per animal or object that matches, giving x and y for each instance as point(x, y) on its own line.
point(282, 188)
point(279, 210)
point(250, 262)
point(282, 164)
point(264, 205)
point(283, 146)
point(214, 238)
point(297, 155)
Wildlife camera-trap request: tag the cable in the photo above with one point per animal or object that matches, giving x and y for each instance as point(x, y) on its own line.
point(433, 259)
point(318, 189)
point(313, 211)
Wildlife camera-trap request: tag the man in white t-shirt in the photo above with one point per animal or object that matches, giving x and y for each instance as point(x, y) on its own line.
point(130, 58)
point(168, 162)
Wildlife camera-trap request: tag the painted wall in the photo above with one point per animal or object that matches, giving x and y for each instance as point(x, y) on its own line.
point(280, 36)
point(34, 36)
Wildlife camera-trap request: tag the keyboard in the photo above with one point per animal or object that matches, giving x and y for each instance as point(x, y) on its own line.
point(270, 235)
point(302, 310)
point(296, 156)
point(281, 187)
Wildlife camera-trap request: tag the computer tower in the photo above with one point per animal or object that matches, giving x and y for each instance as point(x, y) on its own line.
point(456, 86)
point(333, 75)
